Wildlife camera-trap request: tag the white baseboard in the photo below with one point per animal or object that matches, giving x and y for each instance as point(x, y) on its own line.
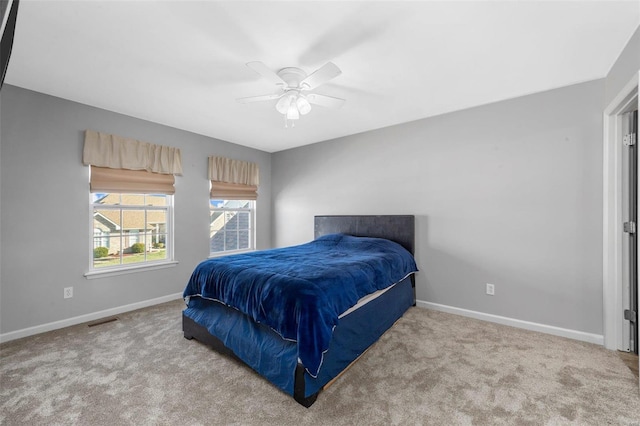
point(30, 331)
point(598, 339)
point(556, 331)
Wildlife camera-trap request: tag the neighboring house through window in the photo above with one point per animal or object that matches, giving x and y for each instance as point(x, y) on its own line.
point(231, 226)
point(131, 228)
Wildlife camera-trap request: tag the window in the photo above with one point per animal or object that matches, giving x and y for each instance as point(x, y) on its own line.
point(233, 191)
point(231, 226)
point(130, 229)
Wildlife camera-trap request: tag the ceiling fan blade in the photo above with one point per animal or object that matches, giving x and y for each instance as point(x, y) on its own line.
point(325, 101)
point(260, 98)
point(267, 73)
point(321, 76)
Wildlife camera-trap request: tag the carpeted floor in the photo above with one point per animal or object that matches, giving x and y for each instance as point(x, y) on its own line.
point(431, 368)
point(630, 360)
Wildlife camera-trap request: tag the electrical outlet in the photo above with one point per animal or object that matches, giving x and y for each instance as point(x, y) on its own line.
point(68, 292)
point(491, 290)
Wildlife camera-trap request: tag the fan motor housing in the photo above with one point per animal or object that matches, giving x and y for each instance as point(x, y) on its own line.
point(292, 76)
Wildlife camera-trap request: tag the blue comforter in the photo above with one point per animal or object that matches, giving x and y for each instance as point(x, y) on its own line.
point(300, 291)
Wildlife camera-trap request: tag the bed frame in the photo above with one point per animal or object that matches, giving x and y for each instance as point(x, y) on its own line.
point(398, 228)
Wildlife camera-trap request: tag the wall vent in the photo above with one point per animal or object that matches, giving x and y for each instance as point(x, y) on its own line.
point(102, 321)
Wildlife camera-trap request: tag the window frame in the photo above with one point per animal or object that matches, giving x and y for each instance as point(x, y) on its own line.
point(252, 227)
point(168, 261)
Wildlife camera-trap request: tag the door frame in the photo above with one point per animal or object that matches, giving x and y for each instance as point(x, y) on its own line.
point(612, 213)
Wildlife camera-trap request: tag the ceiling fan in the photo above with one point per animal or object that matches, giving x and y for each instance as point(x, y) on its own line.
point(293, 89)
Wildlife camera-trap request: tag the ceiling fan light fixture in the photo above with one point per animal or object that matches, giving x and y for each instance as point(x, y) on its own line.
point(283, 104)
point(303, 105)
point(292, 112)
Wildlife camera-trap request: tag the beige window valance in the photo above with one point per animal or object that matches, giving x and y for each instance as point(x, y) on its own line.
point(233, 171)
point(233, 179)
point(117, 152)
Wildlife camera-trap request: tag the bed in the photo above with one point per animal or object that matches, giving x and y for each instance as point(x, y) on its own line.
point(300, 316)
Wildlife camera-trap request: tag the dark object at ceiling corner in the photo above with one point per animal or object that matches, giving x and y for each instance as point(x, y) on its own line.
point(10, 8)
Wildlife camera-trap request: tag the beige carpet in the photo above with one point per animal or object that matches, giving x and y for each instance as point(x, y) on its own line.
point(431, 368)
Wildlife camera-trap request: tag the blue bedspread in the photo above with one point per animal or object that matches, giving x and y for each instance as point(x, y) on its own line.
point(300, 291)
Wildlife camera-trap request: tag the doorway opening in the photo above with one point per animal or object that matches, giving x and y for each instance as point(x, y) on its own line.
point(615, 242)
point(629, 227)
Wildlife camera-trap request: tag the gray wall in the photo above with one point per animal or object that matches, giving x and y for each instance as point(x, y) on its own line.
point(45, 216)
point(508, 193)
point(627, 64)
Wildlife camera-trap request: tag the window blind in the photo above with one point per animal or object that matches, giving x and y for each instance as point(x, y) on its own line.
point(104, 179)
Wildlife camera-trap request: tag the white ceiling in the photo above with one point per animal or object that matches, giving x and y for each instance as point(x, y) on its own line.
point(182, 63)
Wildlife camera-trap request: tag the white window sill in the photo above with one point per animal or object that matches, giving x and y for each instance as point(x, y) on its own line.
point(229, 253)
point(128, 270)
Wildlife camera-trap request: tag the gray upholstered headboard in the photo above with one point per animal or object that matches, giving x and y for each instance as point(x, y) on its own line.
point(398, 228)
